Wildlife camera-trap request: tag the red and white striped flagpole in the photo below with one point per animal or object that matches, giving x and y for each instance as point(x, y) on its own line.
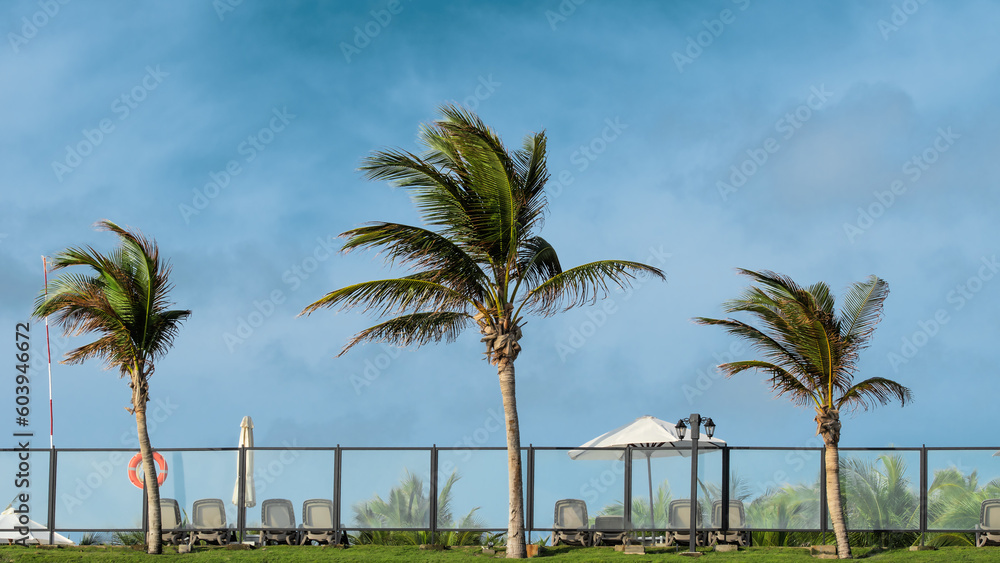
point(48, 350)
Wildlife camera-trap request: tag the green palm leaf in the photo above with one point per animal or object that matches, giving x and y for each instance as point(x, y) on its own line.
point(585, 284)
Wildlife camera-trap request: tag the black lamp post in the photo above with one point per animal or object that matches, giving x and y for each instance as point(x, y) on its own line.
point(695, 421)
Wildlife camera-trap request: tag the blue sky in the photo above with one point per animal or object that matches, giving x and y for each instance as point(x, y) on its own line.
point(824, 140)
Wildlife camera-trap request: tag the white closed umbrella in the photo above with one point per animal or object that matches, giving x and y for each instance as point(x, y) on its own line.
point(658, 436)
point(246, 441)
point(37, 533)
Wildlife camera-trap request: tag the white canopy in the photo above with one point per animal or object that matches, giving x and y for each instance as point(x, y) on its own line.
point(37, 533)
point(644, 432)
point(658, 436)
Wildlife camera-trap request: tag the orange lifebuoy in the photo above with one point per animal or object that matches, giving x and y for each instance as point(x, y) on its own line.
point(133, 466)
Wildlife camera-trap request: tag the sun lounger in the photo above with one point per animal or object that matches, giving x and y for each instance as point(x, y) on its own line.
point(609, 530)
point(208, 519)
point(988, 530)
point(570, 523)
point(679, 515)
point(736, 533)
point(170, 521)
point(277, 519)
point(317, 522)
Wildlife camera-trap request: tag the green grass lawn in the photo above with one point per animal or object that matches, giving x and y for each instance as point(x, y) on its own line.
point(282, 554)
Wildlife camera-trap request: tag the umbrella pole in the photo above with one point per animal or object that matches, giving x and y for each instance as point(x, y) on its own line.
point(649, 473)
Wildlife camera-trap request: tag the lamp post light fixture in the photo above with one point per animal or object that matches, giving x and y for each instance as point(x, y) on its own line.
point(696, 421)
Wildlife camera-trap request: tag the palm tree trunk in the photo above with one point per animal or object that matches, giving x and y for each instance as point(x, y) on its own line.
point(153, 536)
point(515, 528)
point(828, 421)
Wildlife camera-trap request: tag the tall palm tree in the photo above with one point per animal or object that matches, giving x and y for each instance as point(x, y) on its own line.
point(124, 300)
point(478, 262)
point(810, 354)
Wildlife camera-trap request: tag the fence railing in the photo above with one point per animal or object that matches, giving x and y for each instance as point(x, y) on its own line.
point(439, 490)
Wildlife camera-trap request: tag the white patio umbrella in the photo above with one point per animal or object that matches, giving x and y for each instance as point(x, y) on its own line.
point(644, 432)
point(37, 533)
point(246, 441)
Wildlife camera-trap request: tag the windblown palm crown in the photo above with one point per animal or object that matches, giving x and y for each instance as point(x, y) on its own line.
point(810, 351)
point(479, 259)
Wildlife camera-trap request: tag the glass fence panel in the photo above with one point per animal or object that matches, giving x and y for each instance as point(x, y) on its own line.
point(958, 483)
point(661, 482)
point(778, 488)
point(881, 489)
point(25, 485)
point(94, 491)
point(595, 477)
point(385, 488)
point(478, 494)
point(197, 475)
point(287, 475)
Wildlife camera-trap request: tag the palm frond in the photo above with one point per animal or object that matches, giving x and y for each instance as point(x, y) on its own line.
point(782, 381)
point(392, 296)
point(415, 329)
point(537, 262)
point(427, 250)
point(585, 284)
point(874, 390)
point(862, 308)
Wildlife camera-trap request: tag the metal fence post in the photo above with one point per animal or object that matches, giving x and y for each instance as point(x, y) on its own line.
point(725, 489)
point(923, 493)
point(530, 516)
point(628, 488)
point(434, 491)
point(336, 493)
point(51, 519)
point(241, 509)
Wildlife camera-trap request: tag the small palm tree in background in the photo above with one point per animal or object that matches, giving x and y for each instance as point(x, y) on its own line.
point(123, 300)
point(640, 507)
point(409, 506)
point(810, 354)
point(479, 261)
